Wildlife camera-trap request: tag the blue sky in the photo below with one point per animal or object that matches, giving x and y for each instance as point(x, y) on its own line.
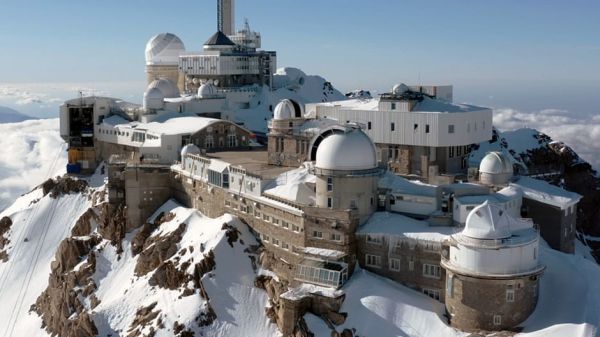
point(504, 53)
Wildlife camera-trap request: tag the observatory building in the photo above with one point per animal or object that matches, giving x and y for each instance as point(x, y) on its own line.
point(492, 270)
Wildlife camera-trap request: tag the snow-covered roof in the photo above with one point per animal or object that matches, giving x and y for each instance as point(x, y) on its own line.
point(318, 125)
point(546, 193)
point(164, 49)
point(506, 194)
point(388, 223)
point(294, 185)
point(355, 104)
point(115, 120)
point(398, 184)
point(436, 105)
point(352, 150)
point(324, 253)
point(487, 222)
point(178, 125)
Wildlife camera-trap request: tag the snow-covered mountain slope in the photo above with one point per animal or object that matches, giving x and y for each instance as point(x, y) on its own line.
point(39, 224)
point(32, 151)
point(225, 304)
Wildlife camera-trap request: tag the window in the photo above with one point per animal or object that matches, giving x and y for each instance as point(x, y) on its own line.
point(393, 106)
point(295, 228)
point(275, 221)
point(451, 128)
point(329, 202)
point(392, 200)
point(411, 263)
point(329, 184)
point(415, 127)
point(450, 151)
point(373, 260)
point(275, 241)
point(426, 128)
point(265, 238)
point(433, 293)
point(394, 264)
point(284, 245)
point(266, 217)
point(317, 235)
point(510, 293)
point(376, 240)
point(336, 237)
point(392, 126)
point(285, 224)
point(431, 270)
point(209, 142)
point(449, 285)
point(368, 125)
point(497, 319)
point(534, 253)
point(459, 150)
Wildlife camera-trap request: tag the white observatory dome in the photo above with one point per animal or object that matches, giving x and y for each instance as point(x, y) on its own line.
point(164, 49)
point(189, 149)
point(207, 90)
point(287, 109)
point(153, 99)
point(487, 222)
point(352, 150)
point(399, 89)
point(166, 86)
point(157, 91)
point(496, 163)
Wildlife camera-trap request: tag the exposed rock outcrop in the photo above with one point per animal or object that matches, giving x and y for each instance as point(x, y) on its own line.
point(63, 185)
point(157, 249)
point(60, 305)
point(5, 224)
point(83, 226)
point(144, 316)
point(112, 224)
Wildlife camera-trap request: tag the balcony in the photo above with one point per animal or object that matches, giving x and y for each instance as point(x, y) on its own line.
point(323, 273)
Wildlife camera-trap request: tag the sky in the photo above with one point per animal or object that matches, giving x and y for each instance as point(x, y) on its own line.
point(491, 50)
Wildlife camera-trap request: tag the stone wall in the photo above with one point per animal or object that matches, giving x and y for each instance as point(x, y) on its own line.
point(288, 150)
point(147, 187)
point(415, 252)
point(472, 302)
point(220, 132)
point(208, 199)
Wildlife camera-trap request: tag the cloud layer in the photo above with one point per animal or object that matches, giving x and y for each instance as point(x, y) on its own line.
point(581, 133)
point(31, 152)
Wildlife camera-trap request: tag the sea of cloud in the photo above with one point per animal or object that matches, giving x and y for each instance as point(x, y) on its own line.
point(580, 132)
point(30, 152)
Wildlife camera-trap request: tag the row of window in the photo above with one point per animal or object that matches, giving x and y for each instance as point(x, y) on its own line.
point(264, 216)
point(332, 236)
point(275, 242)
point(458, 150)
point(429, 270)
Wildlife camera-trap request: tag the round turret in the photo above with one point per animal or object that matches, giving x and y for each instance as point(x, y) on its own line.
point(164, 49)
point(496, 256)
point(399, 89)
point(352, 150)
point(495, 169)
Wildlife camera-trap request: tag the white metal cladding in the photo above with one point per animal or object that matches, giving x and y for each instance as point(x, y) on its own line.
point(502, 261)
point(469, 127)
point(219, 64)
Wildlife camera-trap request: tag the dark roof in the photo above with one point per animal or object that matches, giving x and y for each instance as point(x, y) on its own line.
point(219, 39)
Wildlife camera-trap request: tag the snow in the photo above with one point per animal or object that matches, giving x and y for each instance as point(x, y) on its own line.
point(435, 105)
point(380, 307)
point(230, 287)
point(44, 224)
point(295, 185)
point(389, 223)
point(306, 289)
point(546, 193)
point(401, 185)
point(323, 252)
